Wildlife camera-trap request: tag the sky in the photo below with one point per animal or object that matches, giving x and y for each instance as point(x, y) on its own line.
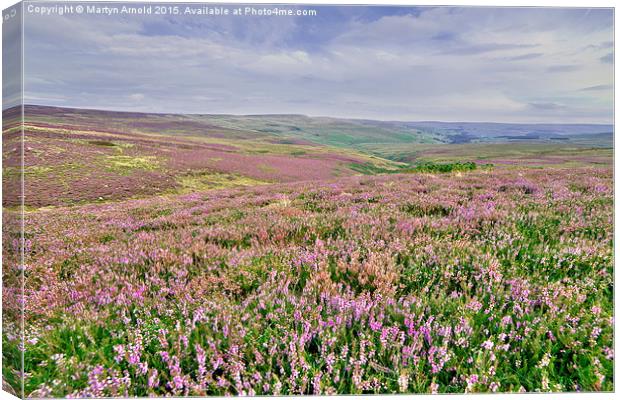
point(547, 65)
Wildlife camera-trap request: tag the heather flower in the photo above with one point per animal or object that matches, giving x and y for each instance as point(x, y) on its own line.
point(153, 380)
point(403, 381)
point(545, 360)
point(471, 381)
point(201, 359)
point(177, 380)
point(474, 305)
point(316, 383)
point(370, 283)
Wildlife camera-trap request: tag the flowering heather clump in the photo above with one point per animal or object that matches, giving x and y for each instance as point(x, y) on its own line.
point(485, 281)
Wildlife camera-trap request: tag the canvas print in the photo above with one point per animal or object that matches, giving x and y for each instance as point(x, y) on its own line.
point(211, 199)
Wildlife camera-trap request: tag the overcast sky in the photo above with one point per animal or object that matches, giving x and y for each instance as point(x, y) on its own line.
point(390, 63)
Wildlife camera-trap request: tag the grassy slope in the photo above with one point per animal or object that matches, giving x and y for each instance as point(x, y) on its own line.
point(128, 155)
point(122, 154)
point(495, 153)
point(329, 131)
point(397, 141)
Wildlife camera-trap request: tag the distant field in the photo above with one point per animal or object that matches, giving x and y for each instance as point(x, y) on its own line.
point(520, 154)
point(128, 155)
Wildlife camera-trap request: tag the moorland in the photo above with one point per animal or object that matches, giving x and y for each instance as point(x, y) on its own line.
point(178, 255)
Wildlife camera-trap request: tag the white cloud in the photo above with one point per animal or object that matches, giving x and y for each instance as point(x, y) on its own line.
point(137, 97)
point(469, 64)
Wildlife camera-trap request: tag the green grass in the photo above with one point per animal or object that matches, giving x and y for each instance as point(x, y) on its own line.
point(208, 180)
point(526, 153)
point(124, 165)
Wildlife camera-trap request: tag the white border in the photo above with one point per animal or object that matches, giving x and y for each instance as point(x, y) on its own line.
point(484, 3)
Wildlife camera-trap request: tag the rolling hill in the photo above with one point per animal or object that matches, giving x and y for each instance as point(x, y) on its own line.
point(129, 154)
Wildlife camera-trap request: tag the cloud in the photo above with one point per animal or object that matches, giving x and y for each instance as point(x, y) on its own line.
point(11, 64)
point(563, 68)
point(521, 57)
point(476, 64)
point(487, 48)
point(445, 36)
point(608, 58)
point(546, 106)
point(597, 87)
point(600, 46)
point(136, 97)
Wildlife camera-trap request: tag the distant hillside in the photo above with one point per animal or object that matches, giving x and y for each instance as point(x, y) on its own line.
point(75, 155)
point(339, 132)
point(464, 132)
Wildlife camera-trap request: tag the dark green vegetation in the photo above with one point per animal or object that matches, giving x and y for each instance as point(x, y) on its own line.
point(425, 166)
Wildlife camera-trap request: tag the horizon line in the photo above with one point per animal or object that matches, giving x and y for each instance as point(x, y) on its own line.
point(309, 116)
